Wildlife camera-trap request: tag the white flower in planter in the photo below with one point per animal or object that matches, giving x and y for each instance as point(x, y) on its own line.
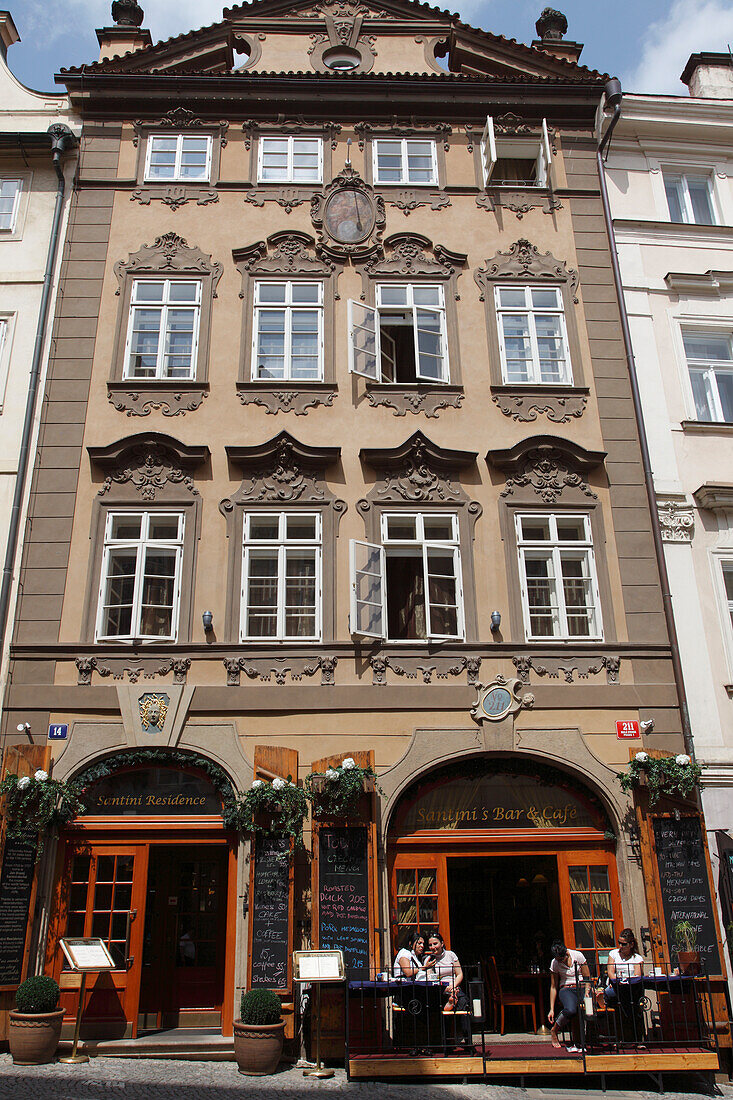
point(256, 783)
point(348, 763)
point(331, 773)
point(683, 758)
point(23, 783)
point(642, 757)
point(279, 783)
point(41, 775)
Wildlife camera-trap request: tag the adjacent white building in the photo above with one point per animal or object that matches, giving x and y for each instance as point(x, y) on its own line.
point(34, 210)
point(670, 180)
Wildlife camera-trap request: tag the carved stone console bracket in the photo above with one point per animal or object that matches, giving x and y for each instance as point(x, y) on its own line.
point(415, 399)
point(552, 667)
point(520, 202)
point(173, 196)
point(677, 521)
point(524, 260)
point(524, 403)
point(119, 668)
point(548, 465)
point(278, 670)
point(411, 667)
point(148, 462)
point(140, 398)
point(279, 397)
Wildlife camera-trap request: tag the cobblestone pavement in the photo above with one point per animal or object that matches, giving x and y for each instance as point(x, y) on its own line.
point(165, 1079)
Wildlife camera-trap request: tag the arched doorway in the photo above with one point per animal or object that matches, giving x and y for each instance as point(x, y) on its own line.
point(149, 869)
point(504, 854)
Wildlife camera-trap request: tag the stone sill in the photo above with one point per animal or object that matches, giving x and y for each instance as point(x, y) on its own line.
point(172, 397)
point(297, 397)
point(707, 427)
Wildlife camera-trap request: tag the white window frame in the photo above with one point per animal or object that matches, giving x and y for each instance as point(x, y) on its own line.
point(404, 180)
point(709, 366)
point(682, 176)
point(292, 141)
point(555, 546)
point(177, 176)
point(721, 557)
point(9, 229)
point(420, 547)
point(141, 545)
point(358, 312)
point(289, 309)
point(164, 308)
point(530, 309)
point(491, 152)
point(281, 545)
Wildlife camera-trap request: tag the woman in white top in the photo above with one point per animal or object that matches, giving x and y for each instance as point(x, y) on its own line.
point(409, 960)
point(445, 966)
point(566, 970)
point(625, 963)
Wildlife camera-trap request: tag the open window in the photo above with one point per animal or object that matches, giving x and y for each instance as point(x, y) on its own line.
point(514, 160)
point(403, 339)
point(409, 587)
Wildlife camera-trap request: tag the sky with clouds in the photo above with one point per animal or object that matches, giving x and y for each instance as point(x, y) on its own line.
point(644, 42)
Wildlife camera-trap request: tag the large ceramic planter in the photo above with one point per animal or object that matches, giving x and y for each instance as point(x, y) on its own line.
point(258, 1047)
point(34, 1038)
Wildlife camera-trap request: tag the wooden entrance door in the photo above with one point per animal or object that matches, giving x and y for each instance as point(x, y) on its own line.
point(102, 893)
point(591, 906)
point(185, 936)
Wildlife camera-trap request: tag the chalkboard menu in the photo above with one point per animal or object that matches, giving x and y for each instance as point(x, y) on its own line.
point(16, 883)
point(343, 895)
point(271, 913)
point(685, 886)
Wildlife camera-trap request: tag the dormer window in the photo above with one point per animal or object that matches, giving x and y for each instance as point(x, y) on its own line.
point(514, 160)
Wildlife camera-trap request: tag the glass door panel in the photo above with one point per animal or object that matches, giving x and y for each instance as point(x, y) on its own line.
point(419, 898)
point(591, 904)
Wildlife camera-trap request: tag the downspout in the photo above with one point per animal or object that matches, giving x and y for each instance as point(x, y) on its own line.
point(62, 139)
point(614, 96)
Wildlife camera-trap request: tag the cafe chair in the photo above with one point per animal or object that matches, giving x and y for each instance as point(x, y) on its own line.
point(502, 1000)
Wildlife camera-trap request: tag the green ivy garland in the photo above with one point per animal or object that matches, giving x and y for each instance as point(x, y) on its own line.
point(131, 758)
point(663, 775)
point(36, 803)
point(276, 808)
point(336, 792)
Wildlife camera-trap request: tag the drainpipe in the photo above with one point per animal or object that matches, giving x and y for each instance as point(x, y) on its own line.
point(62, 139)
point(614, 95)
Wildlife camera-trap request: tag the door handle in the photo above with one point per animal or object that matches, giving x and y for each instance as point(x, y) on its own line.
point(129, 959)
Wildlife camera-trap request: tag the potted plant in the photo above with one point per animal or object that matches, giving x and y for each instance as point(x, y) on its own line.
point(35, 1024)
point(661, 775)
point(337, 792)
point(685, 940)
point(258, 1035)
point(276, 808)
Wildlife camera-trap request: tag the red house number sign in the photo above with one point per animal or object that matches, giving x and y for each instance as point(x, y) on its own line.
point(627, 731)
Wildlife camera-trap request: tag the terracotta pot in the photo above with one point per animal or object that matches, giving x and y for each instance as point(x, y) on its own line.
point(257, 1047)
point(689, 962)
point(34, 1038)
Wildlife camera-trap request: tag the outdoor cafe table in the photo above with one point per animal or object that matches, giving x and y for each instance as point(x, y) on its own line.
point(422, 997)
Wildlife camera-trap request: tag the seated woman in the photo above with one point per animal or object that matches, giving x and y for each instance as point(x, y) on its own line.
point(445, 966)
point(566, 969)
point(409, 960)
point(625, 963)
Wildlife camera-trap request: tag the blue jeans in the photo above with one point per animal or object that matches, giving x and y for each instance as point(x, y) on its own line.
point(568, 995)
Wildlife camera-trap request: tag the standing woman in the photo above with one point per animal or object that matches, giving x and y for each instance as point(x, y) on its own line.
point(566, 968)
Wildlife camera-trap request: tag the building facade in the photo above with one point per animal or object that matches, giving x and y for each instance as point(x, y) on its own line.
point(36, 132)
point(349, 468)
point(669, 175)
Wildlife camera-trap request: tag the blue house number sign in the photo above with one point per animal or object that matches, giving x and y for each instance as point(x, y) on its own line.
point(497, 702)
point(58, 733)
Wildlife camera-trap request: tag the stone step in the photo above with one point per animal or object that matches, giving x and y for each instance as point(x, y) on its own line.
point(190, 1044)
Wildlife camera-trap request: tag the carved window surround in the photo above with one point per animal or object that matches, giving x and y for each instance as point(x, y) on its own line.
point(278, 474)
point(546, 473)
point(411, 257)
point(524, 264)
point(405, 197)
point(168, 256)
point(419, 474)
point(287, 195)
point(149, 469)
point(289, 256)
point(175, 194)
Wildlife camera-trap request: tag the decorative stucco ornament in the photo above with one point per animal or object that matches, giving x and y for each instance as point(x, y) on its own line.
point(153, 711)
point(127, 13)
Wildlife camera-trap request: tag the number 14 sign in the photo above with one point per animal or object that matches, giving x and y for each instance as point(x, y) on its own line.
point(628, 731)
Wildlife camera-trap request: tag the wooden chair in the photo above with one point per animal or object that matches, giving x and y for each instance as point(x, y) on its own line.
point(503, 1000)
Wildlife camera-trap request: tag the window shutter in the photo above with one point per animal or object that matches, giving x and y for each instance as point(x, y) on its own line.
point(546, 155)
point(430, 352)
point(488, 149)
point(368, 589)
point(364, 353)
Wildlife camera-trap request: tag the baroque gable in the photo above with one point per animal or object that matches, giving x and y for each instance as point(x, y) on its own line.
point(545, 467)
point(283, 471)
point(525, 261)
point(150, 465)
point(418, 472)
point(283, 253)
point(168, 253)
